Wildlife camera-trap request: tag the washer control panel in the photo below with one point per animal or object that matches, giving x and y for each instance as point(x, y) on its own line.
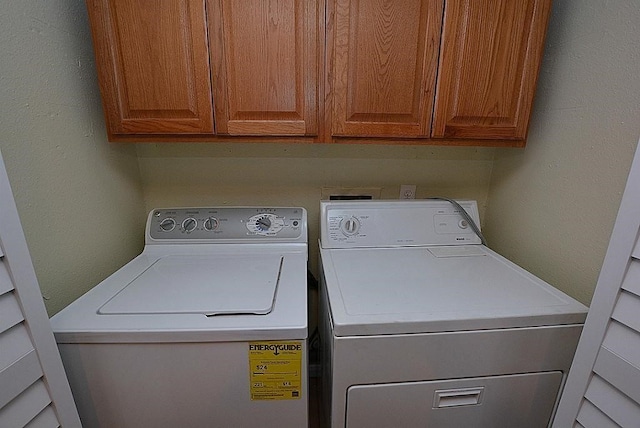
point(346, 224)
point(231, 223)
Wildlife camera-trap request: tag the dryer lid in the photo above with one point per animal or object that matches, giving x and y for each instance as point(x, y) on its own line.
point(201, 284)
point(407, 290)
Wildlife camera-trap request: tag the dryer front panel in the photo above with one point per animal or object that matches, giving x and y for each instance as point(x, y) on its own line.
point(523, 401)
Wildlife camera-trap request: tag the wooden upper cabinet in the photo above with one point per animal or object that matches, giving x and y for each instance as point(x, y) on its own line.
point(489, 60)
point(383, 61)
point(153, 65)
point(426, 71)
point(265, 59)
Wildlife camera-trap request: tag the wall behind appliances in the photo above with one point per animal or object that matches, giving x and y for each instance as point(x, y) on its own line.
point(289, 174)
point(552, 206)
point(79, 197)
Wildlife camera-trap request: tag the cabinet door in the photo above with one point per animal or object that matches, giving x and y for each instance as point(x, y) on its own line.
point(489, 60)
point(384, 58)
point(153, 65)
point(265, 57)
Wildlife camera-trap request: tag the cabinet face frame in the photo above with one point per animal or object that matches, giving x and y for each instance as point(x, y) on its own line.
point(355, 81)
point(324, 77)
point(265, 58)
point(134, 102)
point(489, 60)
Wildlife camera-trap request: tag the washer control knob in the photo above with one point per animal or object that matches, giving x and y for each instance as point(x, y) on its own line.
point(350, 226)
point(189, 224)
point(211, 223)
point(263, 223)
point(463, 224)
point(167, 224)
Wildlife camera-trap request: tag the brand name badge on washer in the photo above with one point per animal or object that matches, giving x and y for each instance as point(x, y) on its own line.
point(275, 370)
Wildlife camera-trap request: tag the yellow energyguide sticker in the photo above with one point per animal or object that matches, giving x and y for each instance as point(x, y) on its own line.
point(275, 370)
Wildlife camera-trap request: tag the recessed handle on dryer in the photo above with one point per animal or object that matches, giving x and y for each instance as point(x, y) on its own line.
point(457, 397)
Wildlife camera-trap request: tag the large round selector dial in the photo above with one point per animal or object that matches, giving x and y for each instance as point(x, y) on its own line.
point(189, 224)
point(350, 226)
point(265, 224)
point(211, 224)
point(167, 224)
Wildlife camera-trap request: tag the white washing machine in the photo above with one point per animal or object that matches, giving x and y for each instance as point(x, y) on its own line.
point(206, 328)
point(424, 326)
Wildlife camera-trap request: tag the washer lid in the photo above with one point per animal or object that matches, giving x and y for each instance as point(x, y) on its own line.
point(201, 284)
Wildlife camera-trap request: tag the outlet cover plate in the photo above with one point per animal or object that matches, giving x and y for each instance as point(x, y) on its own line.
point(407, 191)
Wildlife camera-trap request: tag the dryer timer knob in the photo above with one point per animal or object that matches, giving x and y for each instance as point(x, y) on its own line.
point(350, 226)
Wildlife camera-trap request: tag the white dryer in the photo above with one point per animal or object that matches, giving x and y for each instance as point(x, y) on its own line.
point(422, 325)
point(206, 328)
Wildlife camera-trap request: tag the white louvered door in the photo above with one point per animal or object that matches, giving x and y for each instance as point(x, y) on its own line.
point(34, 391)
point(603, 387)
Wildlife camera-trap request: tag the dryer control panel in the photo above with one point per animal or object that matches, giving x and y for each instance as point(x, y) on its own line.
point(227, 223)
point(351, 224)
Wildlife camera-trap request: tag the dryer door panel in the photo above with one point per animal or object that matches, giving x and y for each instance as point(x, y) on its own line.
point(524, 401)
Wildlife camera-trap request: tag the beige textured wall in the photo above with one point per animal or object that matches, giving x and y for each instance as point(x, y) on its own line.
point(286, 174)
point(294, 175)
point(79, 197)
point(552, 206)
point(549, 207)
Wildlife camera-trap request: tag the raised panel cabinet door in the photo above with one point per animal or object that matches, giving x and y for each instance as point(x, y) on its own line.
point(153, 65)
point(489, 60)
point(383, 61)
point(265, 58)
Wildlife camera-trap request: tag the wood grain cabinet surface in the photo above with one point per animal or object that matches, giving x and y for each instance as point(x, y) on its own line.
point(264, 57)
point(153, 66)
point(448, 72)
point(384, 63)
point(489, 60)
point(165, 67)
point(408, 69)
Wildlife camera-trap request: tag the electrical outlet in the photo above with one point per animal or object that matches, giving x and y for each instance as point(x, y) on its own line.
point(407, 191)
